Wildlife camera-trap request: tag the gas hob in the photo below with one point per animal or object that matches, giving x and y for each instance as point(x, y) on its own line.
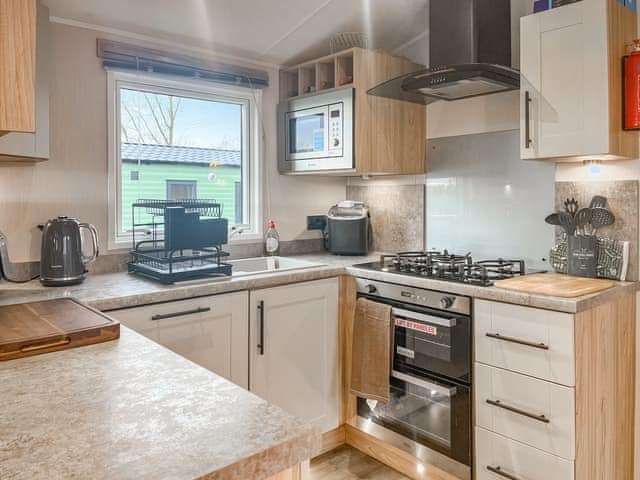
point(442, 265)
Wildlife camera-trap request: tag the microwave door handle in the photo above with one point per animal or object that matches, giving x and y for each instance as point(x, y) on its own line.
point(444, 322)
point(418, 382)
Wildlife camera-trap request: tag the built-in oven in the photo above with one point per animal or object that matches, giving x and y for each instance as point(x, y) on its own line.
point(315, 133)
point(429, 411)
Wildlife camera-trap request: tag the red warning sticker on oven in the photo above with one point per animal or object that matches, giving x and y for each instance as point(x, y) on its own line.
point(419, 327)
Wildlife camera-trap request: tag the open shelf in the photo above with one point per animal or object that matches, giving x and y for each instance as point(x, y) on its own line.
point(323, 74)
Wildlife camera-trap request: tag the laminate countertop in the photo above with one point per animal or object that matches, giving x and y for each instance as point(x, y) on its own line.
point(121, 290)
point(131, 409)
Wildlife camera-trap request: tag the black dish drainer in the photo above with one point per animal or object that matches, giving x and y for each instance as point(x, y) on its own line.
point(171, 248)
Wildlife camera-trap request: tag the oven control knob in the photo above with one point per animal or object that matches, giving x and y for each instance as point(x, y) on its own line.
point(446, 302)
point(371, 288)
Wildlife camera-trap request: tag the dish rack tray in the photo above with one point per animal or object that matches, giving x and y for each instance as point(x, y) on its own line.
point(158, 256)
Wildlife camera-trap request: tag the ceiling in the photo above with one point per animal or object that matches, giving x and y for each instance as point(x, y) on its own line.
point(273, 31)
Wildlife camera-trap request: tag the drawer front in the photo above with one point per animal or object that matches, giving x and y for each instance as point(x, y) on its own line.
point(538, 413)
point(526, 340)
point(499, 458)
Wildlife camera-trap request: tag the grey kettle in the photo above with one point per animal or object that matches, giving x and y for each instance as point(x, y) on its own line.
point(62, 259)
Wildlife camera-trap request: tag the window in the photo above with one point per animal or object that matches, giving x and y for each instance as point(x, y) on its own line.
point(182, 139)
point(182, 189)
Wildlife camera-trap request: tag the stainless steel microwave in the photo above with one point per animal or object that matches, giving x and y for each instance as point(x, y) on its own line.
point(315, 133)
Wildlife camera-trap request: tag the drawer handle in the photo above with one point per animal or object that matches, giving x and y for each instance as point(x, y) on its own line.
point(162, 316)
point(42, 346)
point(499, 404)
point(499, 471)
point(519, 341)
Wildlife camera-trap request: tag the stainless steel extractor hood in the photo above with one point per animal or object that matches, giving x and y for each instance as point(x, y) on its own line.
point(469, 54)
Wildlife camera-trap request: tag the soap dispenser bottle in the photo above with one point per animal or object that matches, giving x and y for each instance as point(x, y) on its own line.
point(272, 241)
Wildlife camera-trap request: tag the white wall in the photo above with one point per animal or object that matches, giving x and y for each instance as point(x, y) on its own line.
point(74, 181)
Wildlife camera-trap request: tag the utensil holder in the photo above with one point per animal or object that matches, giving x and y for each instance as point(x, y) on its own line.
point(582, 255)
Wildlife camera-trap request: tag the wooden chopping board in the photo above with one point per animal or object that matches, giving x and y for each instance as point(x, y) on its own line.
point(555, 285)
point(39, 327)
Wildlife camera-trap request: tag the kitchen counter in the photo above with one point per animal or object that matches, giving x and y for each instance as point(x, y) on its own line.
point(129, 409)
point(120, 290)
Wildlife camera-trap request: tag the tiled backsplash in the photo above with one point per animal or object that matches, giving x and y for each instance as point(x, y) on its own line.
point(622, 200)
point(397, 214)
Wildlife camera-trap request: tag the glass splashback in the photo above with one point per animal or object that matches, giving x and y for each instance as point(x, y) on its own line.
point(482, 198)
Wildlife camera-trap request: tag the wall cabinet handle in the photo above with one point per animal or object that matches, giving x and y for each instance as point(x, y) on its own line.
point(499, 404)
point(261, 327)
point(519, 341)
point(498, 471)
point(162, 316)
point(527, 120)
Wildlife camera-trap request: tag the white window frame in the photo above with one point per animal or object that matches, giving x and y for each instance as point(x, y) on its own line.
point(251, 99)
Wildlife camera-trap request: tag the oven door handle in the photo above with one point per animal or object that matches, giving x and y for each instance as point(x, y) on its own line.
point(418, 382)
point(409, 315)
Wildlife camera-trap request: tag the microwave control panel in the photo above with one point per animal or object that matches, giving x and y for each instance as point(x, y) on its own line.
point(335, 127)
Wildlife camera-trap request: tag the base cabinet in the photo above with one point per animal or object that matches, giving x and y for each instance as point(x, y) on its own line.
point(294, 359)
point(210, 331)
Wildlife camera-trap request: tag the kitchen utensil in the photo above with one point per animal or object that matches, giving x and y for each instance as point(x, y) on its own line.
point(571, 206)
point(567, 222)
point(598, 202)
point(553, 219)
point(601, 217)
point(15, 272)
point(39, 327)
point(62, 259)
point(582, 219)
point(555, 285)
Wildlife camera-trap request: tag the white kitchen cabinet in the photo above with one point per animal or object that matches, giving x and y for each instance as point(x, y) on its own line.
point(571, 86)
point(294, 359)
point(210, 331)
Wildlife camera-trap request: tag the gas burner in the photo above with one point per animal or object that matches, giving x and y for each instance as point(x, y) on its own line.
point(442, 265)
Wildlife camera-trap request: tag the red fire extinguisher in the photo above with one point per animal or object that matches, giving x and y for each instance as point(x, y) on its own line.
point(632, 88)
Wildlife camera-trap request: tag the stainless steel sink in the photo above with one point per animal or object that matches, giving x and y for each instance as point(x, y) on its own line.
point(253, 266)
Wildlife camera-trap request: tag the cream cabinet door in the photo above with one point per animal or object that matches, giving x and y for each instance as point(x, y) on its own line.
point(294, 350)
point(562, 65)
point(210, 331)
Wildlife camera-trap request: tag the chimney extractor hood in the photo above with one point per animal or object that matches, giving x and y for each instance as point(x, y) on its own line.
point(469, 54)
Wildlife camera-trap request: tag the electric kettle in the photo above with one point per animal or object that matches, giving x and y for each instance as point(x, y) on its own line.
point(62, 260)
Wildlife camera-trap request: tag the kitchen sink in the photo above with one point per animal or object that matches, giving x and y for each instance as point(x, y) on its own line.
point(252, 266)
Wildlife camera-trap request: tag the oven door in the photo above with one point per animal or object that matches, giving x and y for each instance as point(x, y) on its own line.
point(432, 342)
point(307, 134)
point(427, 410)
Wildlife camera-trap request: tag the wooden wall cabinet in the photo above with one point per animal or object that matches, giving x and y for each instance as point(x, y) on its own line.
point(17, 65)
point(571, 99)
point(390, 135)
point(24, 105)
point(297, 365)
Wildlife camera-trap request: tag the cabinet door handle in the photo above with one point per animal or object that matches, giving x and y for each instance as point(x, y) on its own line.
point(527, 119)
point(162, 316)
point(498, 471)
point(519, 341)
point(499, 404)
point(261, 327)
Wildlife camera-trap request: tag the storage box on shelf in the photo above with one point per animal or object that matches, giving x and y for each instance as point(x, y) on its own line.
point(390, 135)
point(554, 392)
point(571, 97)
